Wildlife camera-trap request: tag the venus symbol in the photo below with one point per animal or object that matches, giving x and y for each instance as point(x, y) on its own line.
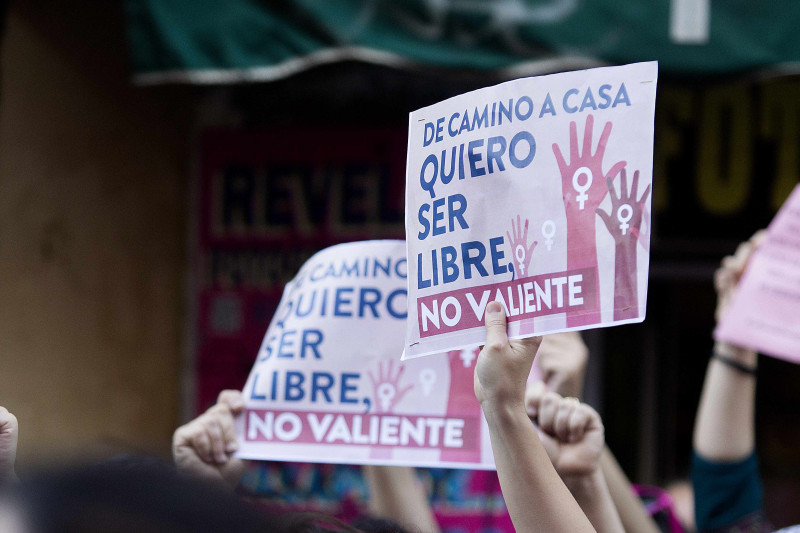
point(548, 232)
point(386, 393)
point(519, 253)
point(428, 379)
point(467, 356)
point(581, 189)
point(624, 214)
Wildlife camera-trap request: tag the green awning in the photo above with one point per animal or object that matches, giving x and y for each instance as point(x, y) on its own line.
point(213, 41)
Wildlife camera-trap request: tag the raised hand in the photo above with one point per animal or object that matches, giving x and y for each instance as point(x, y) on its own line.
point(727, 276)
point(386, 387)
point(520, 251)
point(204, 447)
point(571, 432)
point(562, 359)
point(9, 433)
point(625, 220)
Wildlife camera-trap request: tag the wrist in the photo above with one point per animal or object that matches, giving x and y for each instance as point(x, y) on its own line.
point(499, 411)
point(586, 483)
point(737, 353)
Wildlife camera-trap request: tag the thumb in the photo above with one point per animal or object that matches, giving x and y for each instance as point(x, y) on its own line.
point(233, 399)
point(496, 334)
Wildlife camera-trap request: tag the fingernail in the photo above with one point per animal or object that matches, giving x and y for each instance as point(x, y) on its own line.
point(231, 447)
point(494, 308)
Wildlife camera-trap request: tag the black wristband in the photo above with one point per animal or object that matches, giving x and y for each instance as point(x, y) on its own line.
point(736, 365)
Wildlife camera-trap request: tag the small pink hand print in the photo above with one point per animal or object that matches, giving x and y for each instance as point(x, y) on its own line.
point(625, 219)
point(386, 388)
point(520, 251)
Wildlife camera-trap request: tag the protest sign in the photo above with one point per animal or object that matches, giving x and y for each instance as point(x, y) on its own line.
point(763, 314)
point(327, 385)
point(534, 193)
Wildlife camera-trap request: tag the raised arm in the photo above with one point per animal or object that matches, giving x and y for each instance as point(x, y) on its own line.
point(725, 477)
point(724, 428)
point(536, 498)
point(562, 359)
point(573, 436)
point(397, 494)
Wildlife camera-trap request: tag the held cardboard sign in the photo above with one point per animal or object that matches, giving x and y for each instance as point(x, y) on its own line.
point(328, 386)
point(534, 193)
point(763, 314)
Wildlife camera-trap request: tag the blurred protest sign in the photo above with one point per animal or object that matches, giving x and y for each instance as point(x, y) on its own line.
point(534, 193)
point(764, 312)
point(327, 385)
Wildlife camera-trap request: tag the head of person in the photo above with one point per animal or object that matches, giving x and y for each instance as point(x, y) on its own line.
point(141, 497)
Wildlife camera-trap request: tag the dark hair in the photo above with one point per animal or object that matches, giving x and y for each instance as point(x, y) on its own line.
point(144, 496)
point(141, 495)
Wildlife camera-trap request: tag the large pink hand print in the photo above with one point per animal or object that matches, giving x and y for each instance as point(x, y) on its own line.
point(583, 187)
point(624, 224)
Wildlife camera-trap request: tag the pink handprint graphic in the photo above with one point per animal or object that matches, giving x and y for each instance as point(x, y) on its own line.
point(461, 402)
point(386, 388)
point(583, 188)
point(624, 224)
point(520, 251)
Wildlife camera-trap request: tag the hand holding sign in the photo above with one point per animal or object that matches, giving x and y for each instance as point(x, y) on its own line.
point(9, 432)
point(503, 365)
point(204, 447)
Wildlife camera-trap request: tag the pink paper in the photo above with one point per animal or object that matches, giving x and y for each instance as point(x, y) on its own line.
point(765, 312)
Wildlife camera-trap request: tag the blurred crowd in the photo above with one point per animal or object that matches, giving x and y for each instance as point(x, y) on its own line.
point(556, 472)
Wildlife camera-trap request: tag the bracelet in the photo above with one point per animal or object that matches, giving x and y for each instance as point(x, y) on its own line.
point(734, 364)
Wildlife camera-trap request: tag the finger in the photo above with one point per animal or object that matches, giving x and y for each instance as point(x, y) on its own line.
point(565, 408)
point(578, 421)
point(511, 242)
point(645, 194)
point(400, 370)
point(226, 422)
point(533, 397)
point(372, 378)
point(525, 234)
point(531, 247)
point(573, 143)
point(616, 169)
point(519, 226)
point(217, 438)
point(635, 185)
point(233, 399)
point(623, 184)
point(605, 217)
point(496, 334)
point(601, 146)
point(559, 158)
point(548, 407)
point(612, 191)
point(587, 136)
point(200, 442)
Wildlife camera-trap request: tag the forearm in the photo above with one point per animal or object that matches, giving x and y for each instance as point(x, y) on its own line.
point(634, 516)
point(594, 498)
point(626, 295)
point(724, 429)
point(396, 494)
point(536, 498)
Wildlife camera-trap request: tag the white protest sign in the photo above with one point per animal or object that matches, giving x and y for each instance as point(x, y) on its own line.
point(534, 193)
point(328, 387)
